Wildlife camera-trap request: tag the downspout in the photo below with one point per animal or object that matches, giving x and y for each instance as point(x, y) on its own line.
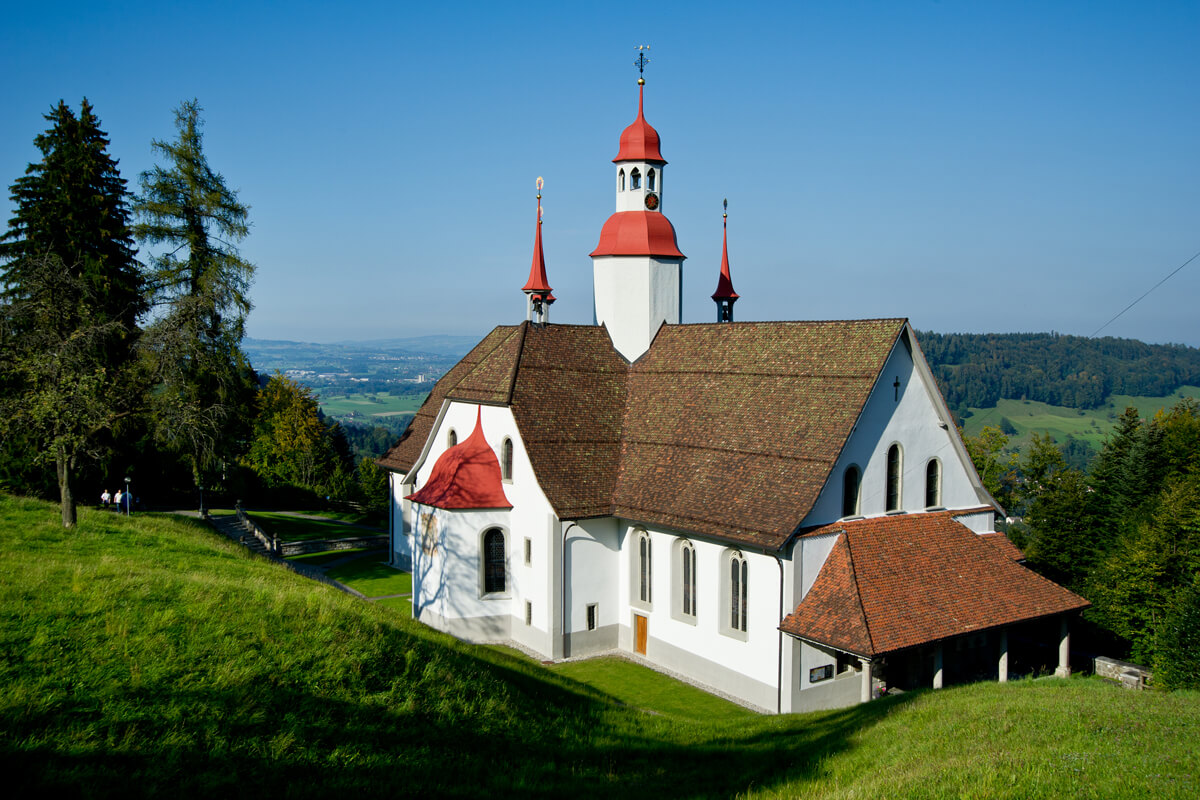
point(779, 662)
point(563, 589)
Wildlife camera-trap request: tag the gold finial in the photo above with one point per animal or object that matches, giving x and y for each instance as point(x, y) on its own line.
point(641, 62)
point(725, 214)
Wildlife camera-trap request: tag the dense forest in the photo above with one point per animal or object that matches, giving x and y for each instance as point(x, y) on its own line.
point(978, 369)
point(1124, 533)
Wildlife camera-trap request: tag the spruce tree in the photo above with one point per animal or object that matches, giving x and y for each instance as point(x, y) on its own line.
point(72, 293)
point(205, 388)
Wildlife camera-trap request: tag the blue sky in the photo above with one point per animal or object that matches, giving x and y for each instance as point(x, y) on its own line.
point(974, 166)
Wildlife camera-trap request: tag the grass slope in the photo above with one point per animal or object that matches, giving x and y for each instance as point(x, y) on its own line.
point(148, 656)
point(1090, 425)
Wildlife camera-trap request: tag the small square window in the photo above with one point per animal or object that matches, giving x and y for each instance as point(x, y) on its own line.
point(528, 613)
point(593, 611)
point(528, 551)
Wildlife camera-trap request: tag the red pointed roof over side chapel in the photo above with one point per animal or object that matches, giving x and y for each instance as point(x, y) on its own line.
point(465, 476)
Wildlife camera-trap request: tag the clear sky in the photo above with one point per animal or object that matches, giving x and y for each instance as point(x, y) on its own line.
point(974, 166)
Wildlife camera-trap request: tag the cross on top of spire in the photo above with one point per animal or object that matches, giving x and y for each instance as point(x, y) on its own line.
point(641, 62)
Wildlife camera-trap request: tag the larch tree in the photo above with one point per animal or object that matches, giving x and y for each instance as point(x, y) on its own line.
point(204, 385)
point(71, 293)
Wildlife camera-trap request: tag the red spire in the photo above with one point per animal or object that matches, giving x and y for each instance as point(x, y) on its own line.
point(465, 476)
point(639, 142)
point(537, 283)
point(725, 283)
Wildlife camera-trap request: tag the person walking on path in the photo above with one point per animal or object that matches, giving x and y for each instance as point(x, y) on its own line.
point(105, 499)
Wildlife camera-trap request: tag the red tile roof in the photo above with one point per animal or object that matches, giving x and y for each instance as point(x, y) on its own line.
point(729, 430)
point(894, 582)
point(465, 476)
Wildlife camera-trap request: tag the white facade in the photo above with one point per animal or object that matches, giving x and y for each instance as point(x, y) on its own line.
point(581, 591)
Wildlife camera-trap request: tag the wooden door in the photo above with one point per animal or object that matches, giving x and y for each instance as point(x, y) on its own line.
point(639, 634)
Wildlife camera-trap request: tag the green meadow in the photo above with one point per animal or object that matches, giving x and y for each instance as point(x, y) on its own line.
point(1090, 425)
point(148, 656)
point(376, 404)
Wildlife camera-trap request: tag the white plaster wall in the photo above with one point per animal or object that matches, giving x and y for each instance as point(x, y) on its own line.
point(634, 295)
point(754, 657)
point(913, 422)
point(635, 199)
point(399, 520)
point(984, 522)
point(450, 581)
point(593, 573)
point(813, 552)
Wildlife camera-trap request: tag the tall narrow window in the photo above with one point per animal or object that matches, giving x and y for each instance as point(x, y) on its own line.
point(593, 613)
point(894, 465)
point(737, 586)
point(506, 455)
point(635, 179)
point(644, 575)
point(933, 483)
point(851, 481)
point(688, 557)
point(650, 179)
point(451, 438)
point(621, 180)
point(493, 561)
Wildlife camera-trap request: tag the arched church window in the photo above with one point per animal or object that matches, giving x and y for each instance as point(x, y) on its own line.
point(635, 179)
point(620, 180)
point(851, 483)
point(506, 459)
point(688, 557)
point(933, 483)
point(493, 561)
point(451, 438)
point(895, 461)
point(737, 586)
point(644, 573)
point(650, 179)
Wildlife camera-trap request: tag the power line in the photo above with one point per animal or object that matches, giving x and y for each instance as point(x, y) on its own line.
point(1143, 297)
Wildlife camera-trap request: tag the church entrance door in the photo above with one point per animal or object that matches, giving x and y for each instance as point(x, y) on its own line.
point(639, 634)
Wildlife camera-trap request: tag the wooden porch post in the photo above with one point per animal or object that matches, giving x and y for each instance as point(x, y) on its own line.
point(865, 693)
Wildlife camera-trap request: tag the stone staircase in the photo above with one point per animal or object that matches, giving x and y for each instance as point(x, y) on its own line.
point(239, 532)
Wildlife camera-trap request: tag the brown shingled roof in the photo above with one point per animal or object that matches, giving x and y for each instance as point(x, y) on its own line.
point(895, 582)
point(725, 429)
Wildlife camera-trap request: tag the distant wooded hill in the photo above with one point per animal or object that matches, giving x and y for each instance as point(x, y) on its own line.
point(978, 369)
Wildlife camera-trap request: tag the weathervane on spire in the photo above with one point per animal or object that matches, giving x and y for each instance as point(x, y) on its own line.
point(641, 62)
point(540, 184)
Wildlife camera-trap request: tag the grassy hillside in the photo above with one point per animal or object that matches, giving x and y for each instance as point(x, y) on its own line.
point(148, 656)
point(1091, 426)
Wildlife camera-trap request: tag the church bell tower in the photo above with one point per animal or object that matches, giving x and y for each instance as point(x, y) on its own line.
point(637, 268)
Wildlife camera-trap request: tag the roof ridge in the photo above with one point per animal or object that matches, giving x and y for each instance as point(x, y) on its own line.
point(858, 592)
point(516, 368)
point(649, 371)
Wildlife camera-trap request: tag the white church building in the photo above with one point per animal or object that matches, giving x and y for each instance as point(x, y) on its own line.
point(782, 512)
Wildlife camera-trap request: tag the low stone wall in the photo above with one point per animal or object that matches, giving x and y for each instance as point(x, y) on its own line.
point(324, 545)
point(1131, 676)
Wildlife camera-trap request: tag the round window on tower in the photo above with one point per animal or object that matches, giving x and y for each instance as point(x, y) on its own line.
point(652, 201)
